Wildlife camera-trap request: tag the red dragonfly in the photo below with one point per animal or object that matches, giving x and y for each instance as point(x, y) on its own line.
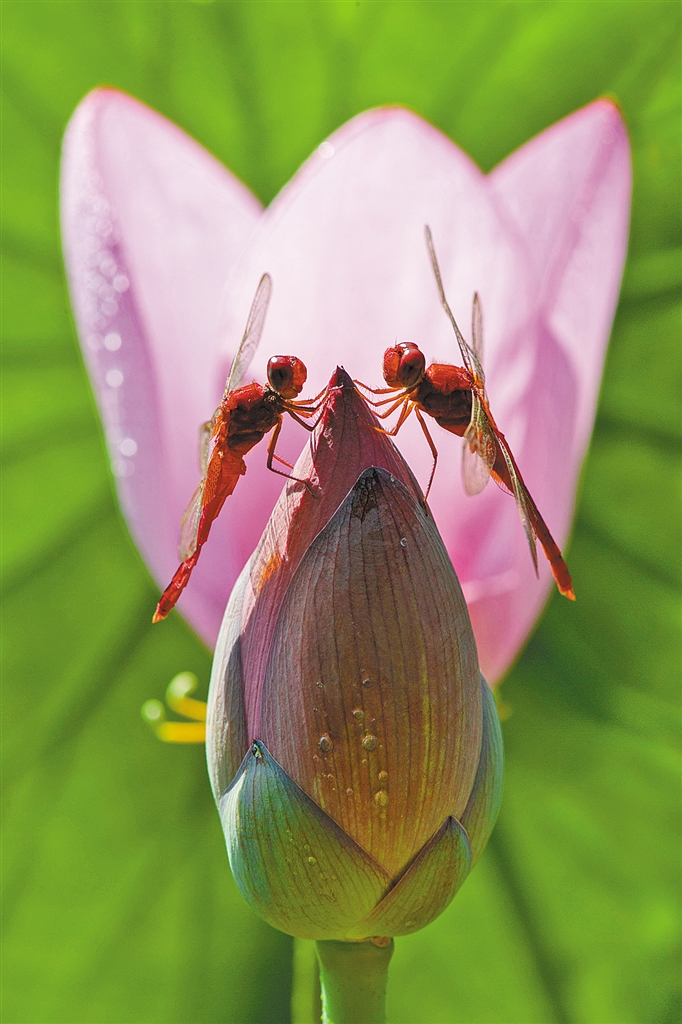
point(456, 398)
point(243, 418)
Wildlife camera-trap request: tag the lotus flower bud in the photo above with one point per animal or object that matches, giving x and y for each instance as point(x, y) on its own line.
point(353, 745)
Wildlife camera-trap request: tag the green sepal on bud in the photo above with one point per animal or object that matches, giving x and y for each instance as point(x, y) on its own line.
point(291, 861)
point(484, 802)
point(306, 876)
point(425, 889)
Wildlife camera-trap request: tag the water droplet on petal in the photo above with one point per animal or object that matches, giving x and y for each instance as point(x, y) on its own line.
point(128, 447)
point(312, 860)
point(319, 683)
point(358, 713)
point(383, 776)
point(349, 792)
point(325, 744)
point(369, 742)
point(367, 682)
point(381, 798)
point(403, 542)
point(114, 378)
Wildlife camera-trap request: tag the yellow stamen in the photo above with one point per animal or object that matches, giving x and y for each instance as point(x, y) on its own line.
point(178, 700)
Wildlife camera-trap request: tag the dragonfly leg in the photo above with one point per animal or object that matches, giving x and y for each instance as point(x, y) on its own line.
point(272, 455)
point(434, 450)
point(373, 391)
point(318, 398)
point(310, 406)
point(386, 401)
point(392, 408)
point(297, 417)
point(407, 409)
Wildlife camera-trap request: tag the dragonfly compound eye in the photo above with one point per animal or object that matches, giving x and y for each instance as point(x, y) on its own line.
point(404, 365)
point(286, 375)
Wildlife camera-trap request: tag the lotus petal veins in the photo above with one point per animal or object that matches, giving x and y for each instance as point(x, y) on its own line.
point(164, 248)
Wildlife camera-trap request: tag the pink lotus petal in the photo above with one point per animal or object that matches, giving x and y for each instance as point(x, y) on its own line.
point(568, 193)
point(542, 239)
point(152, 225)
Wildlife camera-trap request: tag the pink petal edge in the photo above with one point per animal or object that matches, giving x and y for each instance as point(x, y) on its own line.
point(152, 226)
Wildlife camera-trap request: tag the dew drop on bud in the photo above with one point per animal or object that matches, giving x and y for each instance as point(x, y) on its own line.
point(325, 744)
point(383, 776)
point(358, 713)
point(381, 798)
point(312, 860)
point(369, 742)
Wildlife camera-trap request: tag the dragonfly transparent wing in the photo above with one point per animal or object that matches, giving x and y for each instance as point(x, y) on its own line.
point(251, 337)
point(204, 444)
point(469, 356)
point(524, 504)
point(480, 449)
point(189, 527)
point(475, 472)
point(477, 336)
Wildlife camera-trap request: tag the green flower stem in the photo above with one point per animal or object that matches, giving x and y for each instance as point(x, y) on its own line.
point(353, 976)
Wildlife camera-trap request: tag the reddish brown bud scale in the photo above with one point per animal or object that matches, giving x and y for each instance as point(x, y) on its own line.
point(344, 439)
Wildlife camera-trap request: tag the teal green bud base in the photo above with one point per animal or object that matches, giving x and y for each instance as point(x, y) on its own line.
point(353, 976)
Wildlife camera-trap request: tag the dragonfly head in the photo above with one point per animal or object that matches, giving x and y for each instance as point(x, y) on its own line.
point(404, 365)
point(286, 375)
